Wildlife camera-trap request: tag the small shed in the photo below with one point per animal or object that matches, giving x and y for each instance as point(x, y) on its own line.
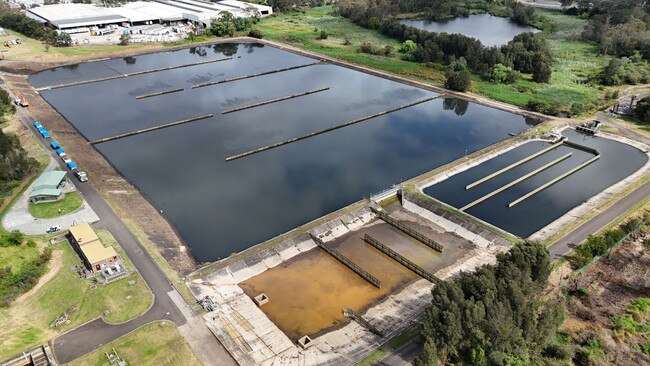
point(48, 187)
point(59, 151)
point(71, 165)
point(55, 145)
point(46, 135)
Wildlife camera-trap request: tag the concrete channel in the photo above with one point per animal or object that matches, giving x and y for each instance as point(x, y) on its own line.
point(253, 75)
point(270, 101)
point(516, 181)
point(401, 259)
point(133, 74)
point(347, 262)
point(513, 165)
point(329, 129)
point(171, 124)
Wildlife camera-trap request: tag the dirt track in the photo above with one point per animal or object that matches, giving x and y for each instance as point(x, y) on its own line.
point(123, 197)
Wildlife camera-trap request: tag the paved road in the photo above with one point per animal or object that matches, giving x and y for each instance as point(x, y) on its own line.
point(565, 244)
point(92, 335)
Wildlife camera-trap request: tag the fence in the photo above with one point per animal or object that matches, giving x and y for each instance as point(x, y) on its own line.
point(407, 230)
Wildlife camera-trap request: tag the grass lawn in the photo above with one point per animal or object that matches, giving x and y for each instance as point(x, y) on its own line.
point(157, 343)
point(70, 202)
point(27, 323)
point(14, 256)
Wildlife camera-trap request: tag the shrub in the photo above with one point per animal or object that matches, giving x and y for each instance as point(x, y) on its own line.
point(323, 35)
point(458, 80)
point(500, 73)
point(256, 33)
point(408, 46)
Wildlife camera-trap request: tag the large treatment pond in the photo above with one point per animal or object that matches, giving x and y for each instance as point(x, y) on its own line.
point(222, 207)
point(490, 30)
point(617, 161)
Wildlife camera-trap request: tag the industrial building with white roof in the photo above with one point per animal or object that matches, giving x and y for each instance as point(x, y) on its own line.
point(69, 16)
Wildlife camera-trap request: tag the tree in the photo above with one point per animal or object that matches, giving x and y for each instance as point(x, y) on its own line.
point(522, 14)
point(541, 71)
point(458, 80)
point(323, 35)
point(495, 315)
point(500, 73)
point(124, 39)
point(642, 110)
point(408, 46)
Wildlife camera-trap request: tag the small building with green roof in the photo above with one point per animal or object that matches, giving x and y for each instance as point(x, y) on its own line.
point(48, 187)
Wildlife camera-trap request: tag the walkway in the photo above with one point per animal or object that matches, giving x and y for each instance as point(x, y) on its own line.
point(19, 218)
point(90, 336)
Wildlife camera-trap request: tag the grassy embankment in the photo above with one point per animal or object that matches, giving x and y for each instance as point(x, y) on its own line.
point(26, 322)
point(576, 61)
point(157, 343)
point(70, 202)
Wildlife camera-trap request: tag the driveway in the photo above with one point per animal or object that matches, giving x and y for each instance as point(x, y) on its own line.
point(19, 218)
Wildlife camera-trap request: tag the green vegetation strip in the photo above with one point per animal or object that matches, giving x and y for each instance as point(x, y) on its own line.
point(254, 75)
point(517, 181)
point(133, 74)
point(171, 124)
point(346, 124)
point(548, 184)
point(249, 106)
point(512, 166)
point(159, 93)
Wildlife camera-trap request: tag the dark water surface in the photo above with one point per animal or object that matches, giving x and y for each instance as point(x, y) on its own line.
point(490, 30)
point(223, 207)
point(616, 162)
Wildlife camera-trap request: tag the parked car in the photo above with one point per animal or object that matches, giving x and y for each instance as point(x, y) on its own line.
point(53, 229)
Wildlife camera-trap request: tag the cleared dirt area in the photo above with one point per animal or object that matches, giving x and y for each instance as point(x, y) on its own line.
point(604, 317)
point(308, 293)
point(123, 197)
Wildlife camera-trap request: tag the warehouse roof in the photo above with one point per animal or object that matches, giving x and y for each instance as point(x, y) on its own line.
point(141, 11)
point(49, 179)
point(75, 15)
point(83, 234)
point(97, 252)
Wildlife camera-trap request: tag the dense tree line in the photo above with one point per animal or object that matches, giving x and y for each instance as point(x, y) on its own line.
point(13, 283)
point(495, 315)
point(14, 163)
point(527, 52)
point(617, 27)
point(227, 24)
point(20, 23)
point(626, 70)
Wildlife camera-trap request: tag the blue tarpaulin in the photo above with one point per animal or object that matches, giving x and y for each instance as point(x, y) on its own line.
point(46, 135)
point(41, 129)
point(37, 124)
point(72, 165)
point(59, 151)
point(55, 145)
